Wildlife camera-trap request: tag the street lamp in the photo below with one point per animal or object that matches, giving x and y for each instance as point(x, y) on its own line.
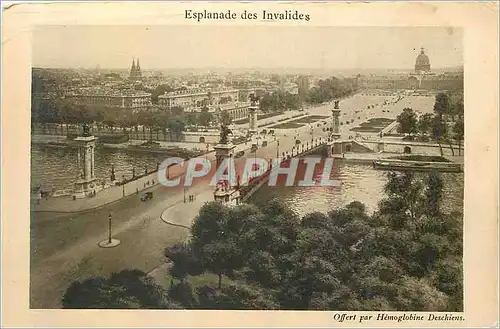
point(123, 184)
point(109, 242)
point(109, 235)
point(278, 150)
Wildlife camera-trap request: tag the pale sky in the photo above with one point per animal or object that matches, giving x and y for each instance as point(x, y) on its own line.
point(163, 47)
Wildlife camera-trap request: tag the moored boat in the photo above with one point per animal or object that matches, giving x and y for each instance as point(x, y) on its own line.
point(405, 165)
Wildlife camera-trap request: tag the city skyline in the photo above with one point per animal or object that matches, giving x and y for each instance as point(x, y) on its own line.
point(197, 47)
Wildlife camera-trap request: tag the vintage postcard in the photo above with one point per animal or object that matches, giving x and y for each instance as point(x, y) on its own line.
point(250, 164)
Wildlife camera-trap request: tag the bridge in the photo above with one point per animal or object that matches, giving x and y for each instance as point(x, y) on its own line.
point(357, 151)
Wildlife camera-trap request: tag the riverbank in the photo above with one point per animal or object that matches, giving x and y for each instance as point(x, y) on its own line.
point(63, 140)
point(368, 158)
point(115, 193)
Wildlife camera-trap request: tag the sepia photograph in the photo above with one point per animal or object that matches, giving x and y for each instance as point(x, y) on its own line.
point(111, 104)
point(288, 164)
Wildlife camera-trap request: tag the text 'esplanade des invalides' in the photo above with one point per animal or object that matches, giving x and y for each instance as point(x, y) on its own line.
point(230, 15)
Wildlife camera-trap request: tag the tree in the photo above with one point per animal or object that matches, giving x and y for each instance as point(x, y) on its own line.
point(266, 103)
point(184, 261)
point(235, 297)
point(210, 98)
point(125, 121)
point(404, 201)
point(225, 118)
point(449, 279)
point(97, 293)
point(433, 194)
point(407, 122)
point(212, 244)
point(205, 117)
point(162, 119)
point(126, 289)
point(192, 118)
point(182, 293)
point(281, 228)
point(261, 267)
point(315, 220)
point(176, 126)
point(147, 119)
point(439, 131)
point(291, 102)
point(383, 268)
point(160, 90)
point(458, 130)
point(441, 106)
point(456, 107)
point(395, 259)
point(354, 210)
point(419, 295)
point(425, 123)
point(386, 242)
point(307, 276)
point(429, 250)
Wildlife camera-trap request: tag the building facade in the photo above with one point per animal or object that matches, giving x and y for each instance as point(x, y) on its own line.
point(236, 111)
point(422, 78)
point(290, 87)
point(120, 99)
point(191, 99)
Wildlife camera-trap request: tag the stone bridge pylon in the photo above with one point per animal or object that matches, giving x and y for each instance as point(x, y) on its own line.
point(334, 143)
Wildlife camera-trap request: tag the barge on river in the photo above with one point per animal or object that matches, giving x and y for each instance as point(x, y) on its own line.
point(408, 165)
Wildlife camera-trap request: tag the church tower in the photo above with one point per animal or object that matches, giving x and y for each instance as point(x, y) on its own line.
point(135, 71)
point(132, 70)
point(138, 72)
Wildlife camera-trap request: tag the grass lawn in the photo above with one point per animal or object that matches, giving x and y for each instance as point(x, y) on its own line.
point(297, 123)
point(367, 129)
point(309, 119)
point(287, 125)
point(374, 125)
point(259, 117)
point(380, 121)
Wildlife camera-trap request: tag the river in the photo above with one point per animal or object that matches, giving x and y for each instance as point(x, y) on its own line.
point(58, 167)
point(359, 182)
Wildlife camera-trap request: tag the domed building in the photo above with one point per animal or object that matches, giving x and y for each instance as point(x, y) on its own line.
point(420, 79)
point(422, 64)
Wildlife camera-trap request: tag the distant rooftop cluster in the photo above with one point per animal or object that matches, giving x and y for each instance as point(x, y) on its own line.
point(100, 91)
point(197, 90)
